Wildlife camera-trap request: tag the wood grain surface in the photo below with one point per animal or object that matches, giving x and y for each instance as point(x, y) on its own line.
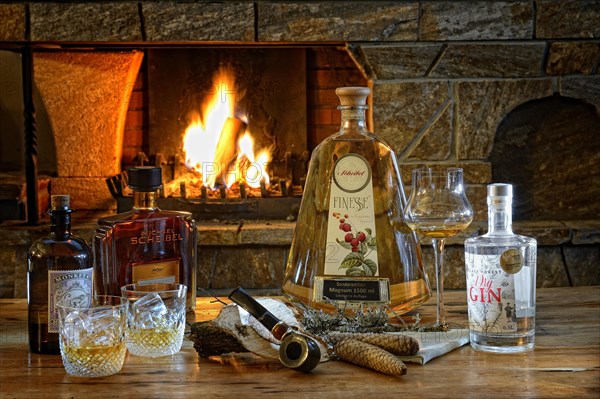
point(564, 364)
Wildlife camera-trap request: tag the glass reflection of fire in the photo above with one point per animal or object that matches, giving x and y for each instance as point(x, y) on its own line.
point(219, 148)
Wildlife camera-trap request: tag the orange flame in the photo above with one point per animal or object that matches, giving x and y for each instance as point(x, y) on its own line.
point(209, 146)
point(249, 169)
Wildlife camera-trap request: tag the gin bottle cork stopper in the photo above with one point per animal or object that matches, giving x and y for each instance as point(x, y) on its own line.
point(59, 202)
point(499, 194)
point(499, 190)
point(353, 96)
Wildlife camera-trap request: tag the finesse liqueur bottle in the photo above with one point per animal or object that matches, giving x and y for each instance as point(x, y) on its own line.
point(500, 272)
point(351, 246)
point(146, 245)
point(59, 267)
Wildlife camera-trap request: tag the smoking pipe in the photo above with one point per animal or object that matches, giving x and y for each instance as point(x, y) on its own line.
point(297, 351)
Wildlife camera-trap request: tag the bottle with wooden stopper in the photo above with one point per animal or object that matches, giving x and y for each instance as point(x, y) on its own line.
point(59, 267)
point(351, 246)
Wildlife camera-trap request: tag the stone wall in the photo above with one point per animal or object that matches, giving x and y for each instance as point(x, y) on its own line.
point(444, 76)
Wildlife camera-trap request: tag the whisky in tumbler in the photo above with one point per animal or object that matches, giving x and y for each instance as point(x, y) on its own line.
point(59, 266)
point(92, 337)
point(500, 272)
point(155, 319)
point(93, 361)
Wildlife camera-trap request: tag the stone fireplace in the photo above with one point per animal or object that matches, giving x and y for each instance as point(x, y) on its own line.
point(509, 91)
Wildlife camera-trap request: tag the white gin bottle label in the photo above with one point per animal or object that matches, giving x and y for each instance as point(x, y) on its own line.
point(490, 295)
point(351, 237)
point(72, 286)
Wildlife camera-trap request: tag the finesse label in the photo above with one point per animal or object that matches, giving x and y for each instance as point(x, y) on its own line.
point(351, 237)
point(72, 287)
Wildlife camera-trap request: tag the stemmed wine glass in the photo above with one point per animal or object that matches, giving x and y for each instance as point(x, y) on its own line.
point(438, 208)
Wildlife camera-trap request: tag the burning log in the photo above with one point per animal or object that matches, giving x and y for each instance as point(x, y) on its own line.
point(226, 148)
point(182, 192)
point(223, 192)
point(243, 193)
point(203, 192)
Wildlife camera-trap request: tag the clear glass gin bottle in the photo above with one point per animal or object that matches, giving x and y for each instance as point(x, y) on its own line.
point(500, 272)
point(146, 244)
point(59, 267)
point(352, 247)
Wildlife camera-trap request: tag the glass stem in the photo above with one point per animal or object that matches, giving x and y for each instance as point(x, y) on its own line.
point(438, 252)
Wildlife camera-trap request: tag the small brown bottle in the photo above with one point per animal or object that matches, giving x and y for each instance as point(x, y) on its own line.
point(59, 267)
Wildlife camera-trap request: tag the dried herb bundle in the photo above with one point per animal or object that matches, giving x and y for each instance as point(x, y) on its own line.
point(364, 320)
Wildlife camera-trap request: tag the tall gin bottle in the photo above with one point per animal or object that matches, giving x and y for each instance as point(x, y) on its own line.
point(146, 245)
point(351, 246)
point(500, 272)
point(59, 267)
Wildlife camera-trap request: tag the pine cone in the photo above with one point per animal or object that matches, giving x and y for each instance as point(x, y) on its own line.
point(396, 344)
point(369, 356)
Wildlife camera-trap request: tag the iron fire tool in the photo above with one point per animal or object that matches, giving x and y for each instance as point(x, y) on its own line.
point(297, 351)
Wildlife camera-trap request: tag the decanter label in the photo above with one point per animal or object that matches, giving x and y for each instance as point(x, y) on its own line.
point(73, 287)
point(155, 272)
point(490, 295)
point(348, 291)
point(351, 238)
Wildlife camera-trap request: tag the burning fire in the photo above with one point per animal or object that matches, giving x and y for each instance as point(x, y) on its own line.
point(247, 165)
point(210, 141)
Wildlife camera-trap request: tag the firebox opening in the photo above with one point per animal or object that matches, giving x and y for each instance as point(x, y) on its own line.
point(549, 149)
point(284, 106)
point(232, 126)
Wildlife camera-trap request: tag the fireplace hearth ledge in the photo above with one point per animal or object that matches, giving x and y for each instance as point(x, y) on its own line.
point(253, 253)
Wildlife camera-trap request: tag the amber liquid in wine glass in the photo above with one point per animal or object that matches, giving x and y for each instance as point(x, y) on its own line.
point(438, 208)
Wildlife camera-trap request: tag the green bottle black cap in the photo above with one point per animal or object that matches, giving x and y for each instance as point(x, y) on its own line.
point(145, 178)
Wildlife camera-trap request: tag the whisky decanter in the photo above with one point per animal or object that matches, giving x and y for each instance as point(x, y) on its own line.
point(351, 246)
point(146, 245)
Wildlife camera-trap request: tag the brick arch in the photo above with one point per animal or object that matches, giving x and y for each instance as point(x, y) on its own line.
point(86, 96)
point(549, 149)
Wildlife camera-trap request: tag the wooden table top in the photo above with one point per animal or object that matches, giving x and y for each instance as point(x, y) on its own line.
point(564, 364)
